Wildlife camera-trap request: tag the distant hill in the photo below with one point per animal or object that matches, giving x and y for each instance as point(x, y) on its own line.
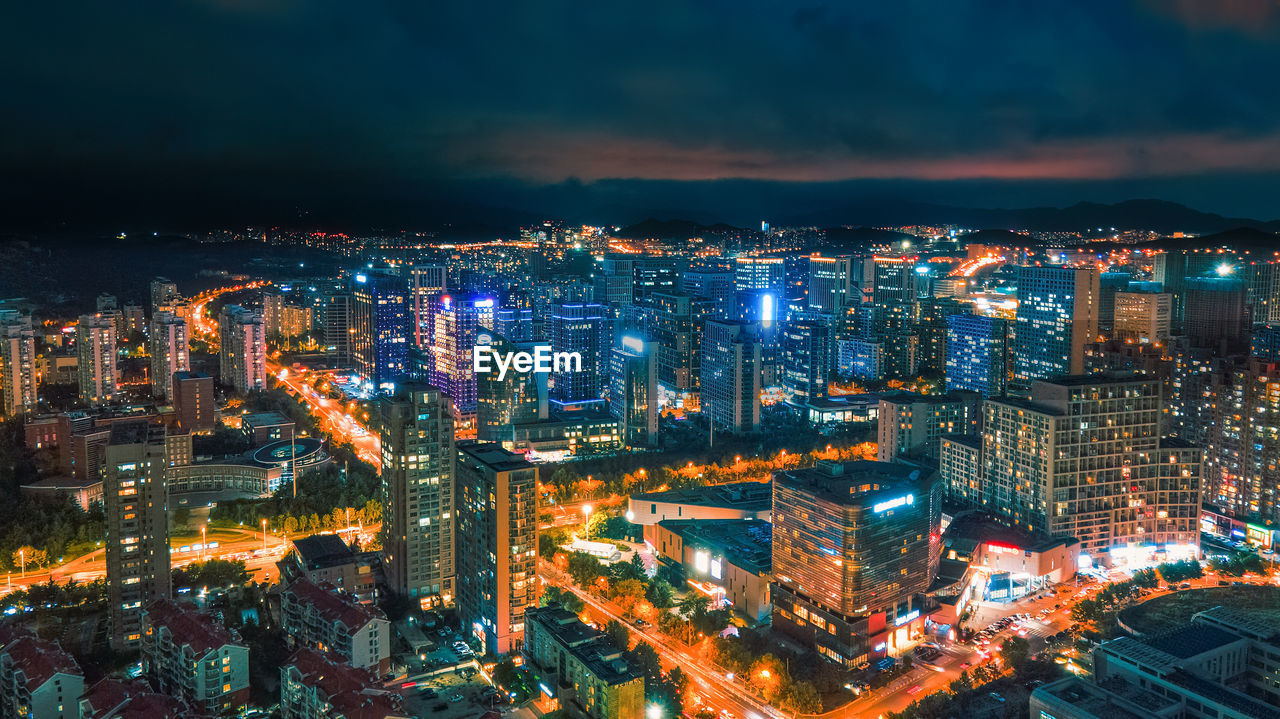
point(1239, 238)
point(672, 229)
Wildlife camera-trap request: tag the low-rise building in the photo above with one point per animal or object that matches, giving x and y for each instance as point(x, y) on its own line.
point(317, 686)
point(730, 560)
point(736, 500)
point(265, 427)
point(317, 616)
point(82, 490)
point(327, 559)
point(112, 698)
point(579, 666)
point(192, 656)
point(38, 680)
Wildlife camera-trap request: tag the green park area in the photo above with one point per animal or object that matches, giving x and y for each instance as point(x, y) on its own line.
point(1176, 609)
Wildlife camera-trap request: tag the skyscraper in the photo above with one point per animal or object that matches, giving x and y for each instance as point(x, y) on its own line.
point(1056, 318)
point(767, 274)
point(1214, 312)
point(1240, 413)
point(242, 349)
point(714, 285)
point(633, 393)
point(170, 352)
point(163, 292)
point(517, 398)
point(1142, 317)
point(418, 459)
point(17, 364)
point(426, 285)
point(1084, 458)
point(497, 544)
point(380, 320)
point(731, 381)
point(978, 350)
point(457, 322)
point(333, 319)
point(855, 546)
point(135, 500)
point(805, 360)
point(581, 328)
point(832, 284)
point(96, 347)
point(675, 322)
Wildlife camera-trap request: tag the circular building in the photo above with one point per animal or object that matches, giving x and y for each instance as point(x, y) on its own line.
point(303, 454)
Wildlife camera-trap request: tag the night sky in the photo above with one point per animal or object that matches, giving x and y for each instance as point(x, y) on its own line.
point(388, 114)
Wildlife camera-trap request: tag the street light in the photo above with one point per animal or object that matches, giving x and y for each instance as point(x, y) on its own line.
point(586, 513)
point(653, 712)
point(203, 540)
point(264, 536)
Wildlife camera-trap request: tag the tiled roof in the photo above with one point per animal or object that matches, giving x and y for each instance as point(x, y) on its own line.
point(40, 659)
point(333, 606)
point(115, 698)
point(354, 693)
point(189, 627)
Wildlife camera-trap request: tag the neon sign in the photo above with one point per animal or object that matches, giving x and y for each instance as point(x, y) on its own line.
point(894, 503)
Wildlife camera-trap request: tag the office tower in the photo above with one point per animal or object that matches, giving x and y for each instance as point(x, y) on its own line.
point(135, 500)
point(96, 350)
point(1172, 268)
point(911, 424)
point(333, 319)
point(380, 320)
point(170, 352)
point(931, 330)
point(1264, 343)
point(134, 321)
point(514, 324)
point(805, 360)
point(1057, 317)
point(1084, 458)
point(1214, 312)
point(1109, 283)
point(614, 283)
point(193, 401)
point(676, 323)
point(832, 284)
point(894, 288)
point(163, 292)
point(418, 457)
point(731, 381)
point(518, 398)
point(855, 546)
point(1242, 449)
point(17, 364)
point(497, 544)
point(457, 323)
point(1142, 317)
point(426, 285)
point(654, 274)
point(242, 350)
point(978, 350)
point(633, 393)
point(581, 328)
point(766, 274)
point(860, 359)
point(714, 285)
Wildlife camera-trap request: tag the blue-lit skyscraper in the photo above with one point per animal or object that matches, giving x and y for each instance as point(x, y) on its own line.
point(380, 324)
point(760, 273)
point(806, 360)
point(1057, 316)
point(581, 328)
point(456, 321)
point(633, 389)
point(977, 354)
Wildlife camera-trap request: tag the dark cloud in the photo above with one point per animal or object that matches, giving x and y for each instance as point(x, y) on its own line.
point(196, 108)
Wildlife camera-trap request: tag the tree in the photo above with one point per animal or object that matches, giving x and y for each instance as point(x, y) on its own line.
point(618, 634)
point(564, 598)
point(802, 698)
point(645, 659)
point(660, 593)
point(28, 556)
point(505, 673)
point(693, 604)
point(584, 568)
point(626, 593)
point(768, 675)
point(1016, 651)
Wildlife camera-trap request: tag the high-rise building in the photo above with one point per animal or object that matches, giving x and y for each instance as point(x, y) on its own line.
point(731, 381)
point(581, 328)
point(912, 424)
point(426, 285)
point(1142, 317)
point(1214, 312)
point(714, 285)
point(1084, 458)
point(978, 350)
point(1109, 283)
point(380, 320)
point(418, 458)
point(832, 284)
point(615, 282)
point(1172, 268)
point(767, 274)
point(163, 292)
point(855, 547)
point(633, 390)
point(170, 352)
point(497, 544)
point(805, 360)
point(242, 350)
point(458, 322)
point(506, 401)
point(675, 323)
point(96, 350)
point(1057, 317)
point(135, 499)
point(333, 319)
point(932, 330)
point(515, 324)
point(193, 401)
point(894, 289)
point(1241, 410)
point(17, 364)
point(133, 320)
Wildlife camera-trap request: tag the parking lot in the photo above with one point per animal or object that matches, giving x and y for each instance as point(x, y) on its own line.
point(448, 696)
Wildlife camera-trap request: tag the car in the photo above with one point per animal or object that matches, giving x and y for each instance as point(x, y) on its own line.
point(996, 696)
point(455, 698)
point(964, 665)
point(429, 693)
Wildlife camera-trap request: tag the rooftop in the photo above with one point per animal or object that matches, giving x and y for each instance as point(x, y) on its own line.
point(1240, 702)
point(39, 659)
point(333, 606)
point(63, 482)
point(738, 495)
point(116, 698)
point(859, 481)
point(264, 419)
point(587, 645)
point(1188, 641)
point(189, 627)
point(323, 550)
point(493, 456)
point(747, 543)
point(1259, 624)
point(354, 693)
point(905, 397)
point(1103, 701)
point(973, 528)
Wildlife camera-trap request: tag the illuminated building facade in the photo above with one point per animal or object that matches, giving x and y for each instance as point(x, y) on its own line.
point(1056, 318)
point(380, 324)
point(978, 351)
